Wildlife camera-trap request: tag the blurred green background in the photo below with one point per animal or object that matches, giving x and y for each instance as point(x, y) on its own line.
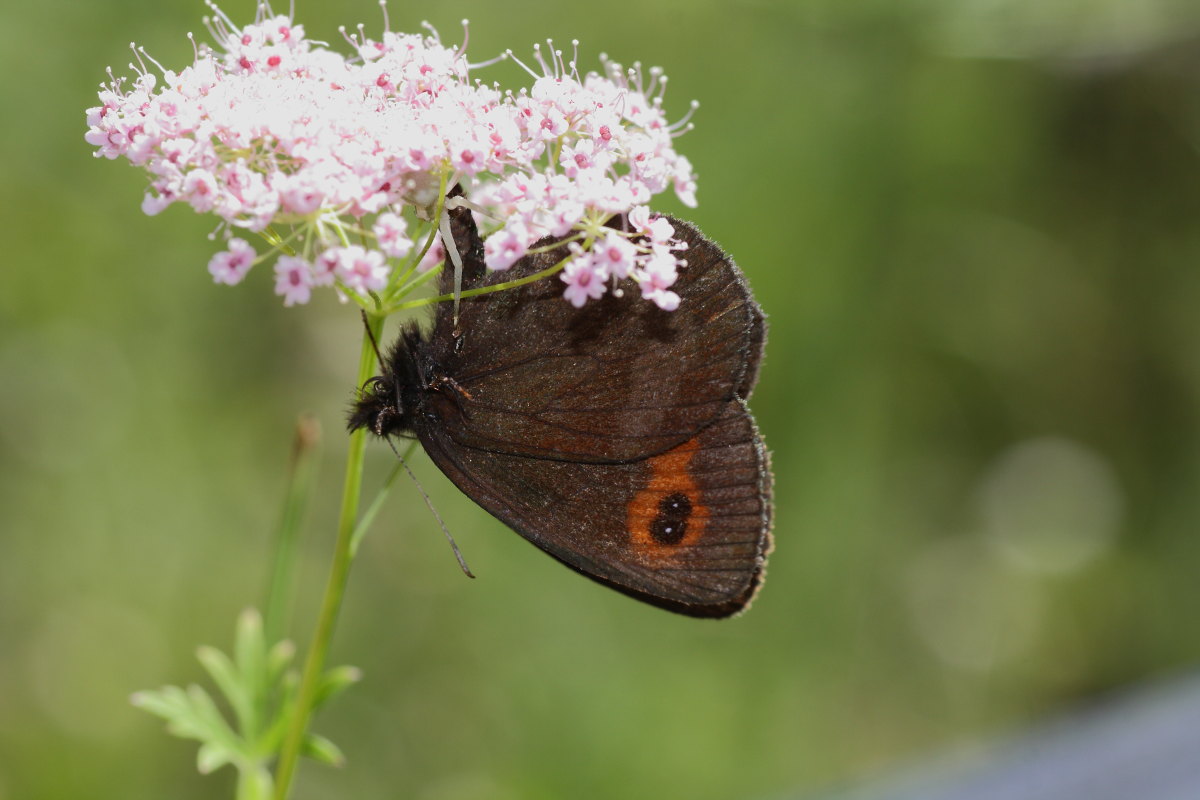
point(974, 228)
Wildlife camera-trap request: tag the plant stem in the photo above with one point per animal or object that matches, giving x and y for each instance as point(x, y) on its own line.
point(299, 490)
point(498, 287)
point(314, 662)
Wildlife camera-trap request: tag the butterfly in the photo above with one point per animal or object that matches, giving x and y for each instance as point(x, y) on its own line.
point(615, 436)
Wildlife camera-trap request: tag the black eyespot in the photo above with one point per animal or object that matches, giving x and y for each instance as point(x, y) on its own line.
point(670, 526)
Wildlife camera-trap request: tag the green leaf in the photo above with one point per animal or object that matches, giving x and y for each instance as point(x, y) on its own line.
point(321, 749)
point(186, 725)
point(173, 704)
point(191, 714)
point(261, 690)
point(166, 702)
point(249, 644)
point(249, 650)
point(273, 737)
point(212, 757)
point(205, 712)
point(231, 683)
point(334, 682)
point(278, 660)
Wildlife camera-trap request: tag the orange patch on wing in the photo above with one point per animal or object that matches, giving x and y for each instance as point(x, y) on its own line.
point(669, 476)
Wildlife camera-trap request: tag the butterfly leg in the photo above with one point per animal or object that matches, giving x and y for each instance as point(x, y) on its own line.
point(446, 380)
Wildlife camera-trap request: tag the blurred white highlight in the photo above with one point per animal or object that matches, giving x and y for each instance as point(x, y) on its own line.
point(1050, 505)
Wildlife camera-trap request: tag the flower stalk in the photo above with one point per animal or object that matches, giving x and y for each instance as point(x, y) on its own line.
point(335, 588)
point(301, 479)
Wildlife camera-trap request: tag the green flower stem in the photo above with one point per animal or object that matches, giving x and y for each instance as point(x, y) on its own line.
point(314, 662)
point(499, 287)
point(408, 286)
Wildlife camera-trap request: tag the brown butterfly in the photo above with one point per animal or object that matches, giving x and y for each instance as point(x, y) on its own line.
point(615, 436)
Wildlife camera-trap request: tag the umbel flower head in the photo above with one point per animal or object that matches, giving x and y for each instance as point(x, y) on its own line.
point(343, 165)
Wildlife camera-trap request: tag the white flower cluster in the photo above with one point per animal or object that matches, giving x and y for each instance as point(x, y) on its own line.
point(343, 164)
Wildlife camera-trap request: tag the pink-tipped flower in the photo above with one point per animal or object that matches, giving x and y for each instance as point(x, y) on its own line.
point(391, 232)
point(583, 281)
point(506, 246)
point(361, 270)
point(616, 256)
point(200, 189)
point(657, 277)
point(324, 268)
point(300, 194)
point(685, 182)
point(231, 265)
point(584, 156)
point(293, 280)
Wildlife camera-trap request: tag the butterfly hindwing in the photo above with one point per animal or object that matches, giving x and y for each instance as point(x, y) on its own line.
point(686, 530)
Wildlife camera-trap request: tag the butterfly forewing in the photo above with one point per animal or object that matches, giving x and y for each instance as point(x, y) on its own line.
point(615, 380)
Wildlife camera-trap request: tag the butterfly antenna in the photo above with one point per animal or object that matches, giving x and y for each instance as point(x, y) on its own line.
point(374, 344)
point(462, 562)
